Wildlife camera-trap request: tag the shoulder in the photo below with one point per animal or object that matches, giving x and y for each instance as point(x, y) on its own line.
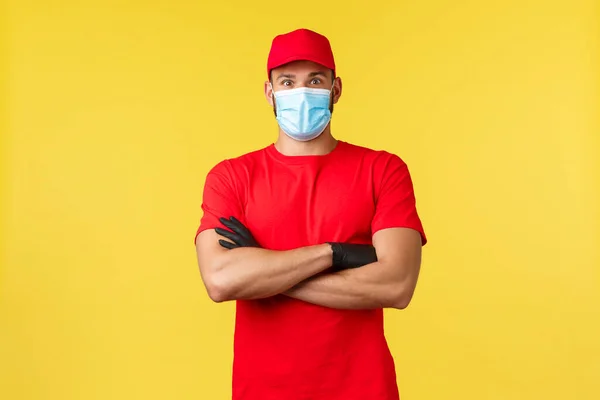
point(376, 158)
point(235, 173)
point(235, 165)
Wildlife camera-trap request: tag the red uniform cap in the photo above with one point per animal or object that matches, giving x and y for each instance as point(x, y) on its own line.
point(301, 44)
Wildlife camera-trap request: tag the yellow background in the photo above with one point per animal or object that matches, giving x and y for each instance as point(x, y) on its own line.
point(113, 112)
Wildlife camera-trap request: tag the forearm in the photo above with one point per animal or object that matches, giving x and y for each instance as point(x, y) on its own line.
point(252, 273)
point(369, 287)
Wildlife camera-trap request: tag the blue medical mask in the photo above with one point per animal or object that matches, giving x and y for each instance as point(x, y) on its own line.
point(303, 113)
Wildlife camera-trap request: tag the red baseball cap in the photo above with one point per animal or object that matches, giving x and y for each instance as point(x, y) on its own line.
point(301, 44)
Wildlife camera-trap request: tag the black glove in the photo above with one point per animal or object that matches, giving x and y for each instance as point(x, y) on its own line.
point(239, 234)
point(348, 255)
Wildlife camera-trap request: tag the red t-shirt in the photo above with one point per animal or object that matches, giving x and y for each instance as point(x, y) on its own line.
point(287, 349)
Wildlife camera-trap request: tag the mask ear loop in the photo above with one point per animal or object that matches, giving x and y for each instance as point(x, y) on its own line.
point(331, 98)
point(273, 99)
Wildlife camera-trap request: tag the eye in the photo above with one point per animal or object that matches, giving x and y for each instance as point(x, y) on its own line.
point(286, 82)
point(315, 81)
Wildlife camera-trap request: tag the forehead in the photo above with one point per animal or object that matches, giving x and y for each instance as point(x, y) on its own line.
point(299, 68)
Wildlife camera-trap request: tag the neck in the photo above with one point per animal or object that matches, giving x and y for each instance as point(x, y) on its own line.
point(321, 145)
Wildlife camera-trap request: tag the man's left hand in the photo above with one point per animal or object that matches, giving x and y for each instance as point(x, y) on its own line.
point(238, 234)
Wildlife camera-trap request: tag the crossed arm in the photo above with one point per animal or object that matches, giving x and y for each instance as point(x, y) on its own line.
point(254, 273)
point(388, 282)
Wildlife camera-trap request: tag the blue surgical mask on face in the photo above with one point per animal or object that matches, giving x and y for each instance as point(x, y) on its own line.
point(303, 113)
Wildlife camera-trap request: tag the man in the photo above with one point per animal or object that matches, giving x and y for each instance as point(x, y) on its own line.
point(313, 237)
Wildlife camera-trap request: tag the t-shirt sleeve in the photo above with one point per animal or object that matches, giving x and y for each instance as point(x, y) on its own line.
point(220, 198)
point(395, 199)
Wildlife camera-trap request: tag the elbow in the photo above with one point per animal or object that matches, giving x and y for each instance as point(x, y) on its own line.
point(401, 303)
point(217, 294)
point(401, 290)
point(214, 265)
point(400, 298)
point(218, 287)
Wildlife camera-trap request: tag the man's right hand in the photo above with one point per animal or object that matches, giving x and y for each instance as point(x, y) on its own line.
point(349, 255)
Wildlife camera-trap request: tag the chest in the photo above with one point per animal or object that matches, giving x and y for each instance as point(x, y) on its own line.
point(292, 207)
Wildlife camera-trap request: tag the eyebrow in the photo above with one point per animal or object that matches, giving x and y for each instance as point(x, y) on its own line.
point(290, 76)
point(311, 75)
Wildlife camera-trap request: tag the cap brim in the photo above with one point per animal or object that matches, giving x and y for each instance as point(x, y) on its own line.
point(297, 58)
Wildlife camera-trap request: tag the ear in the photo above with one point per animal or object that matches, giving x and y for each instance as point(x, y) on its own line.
point(269, 92)
point(337, 89)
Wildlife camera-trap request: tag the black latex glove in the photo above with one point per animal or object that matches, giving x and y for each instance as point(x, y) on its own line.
point(239, 234)
point(348, 255)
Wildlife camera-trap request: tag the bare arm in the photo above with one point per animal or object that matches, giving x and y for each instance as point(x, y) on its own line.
point(253, 273)
point(387, 283)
